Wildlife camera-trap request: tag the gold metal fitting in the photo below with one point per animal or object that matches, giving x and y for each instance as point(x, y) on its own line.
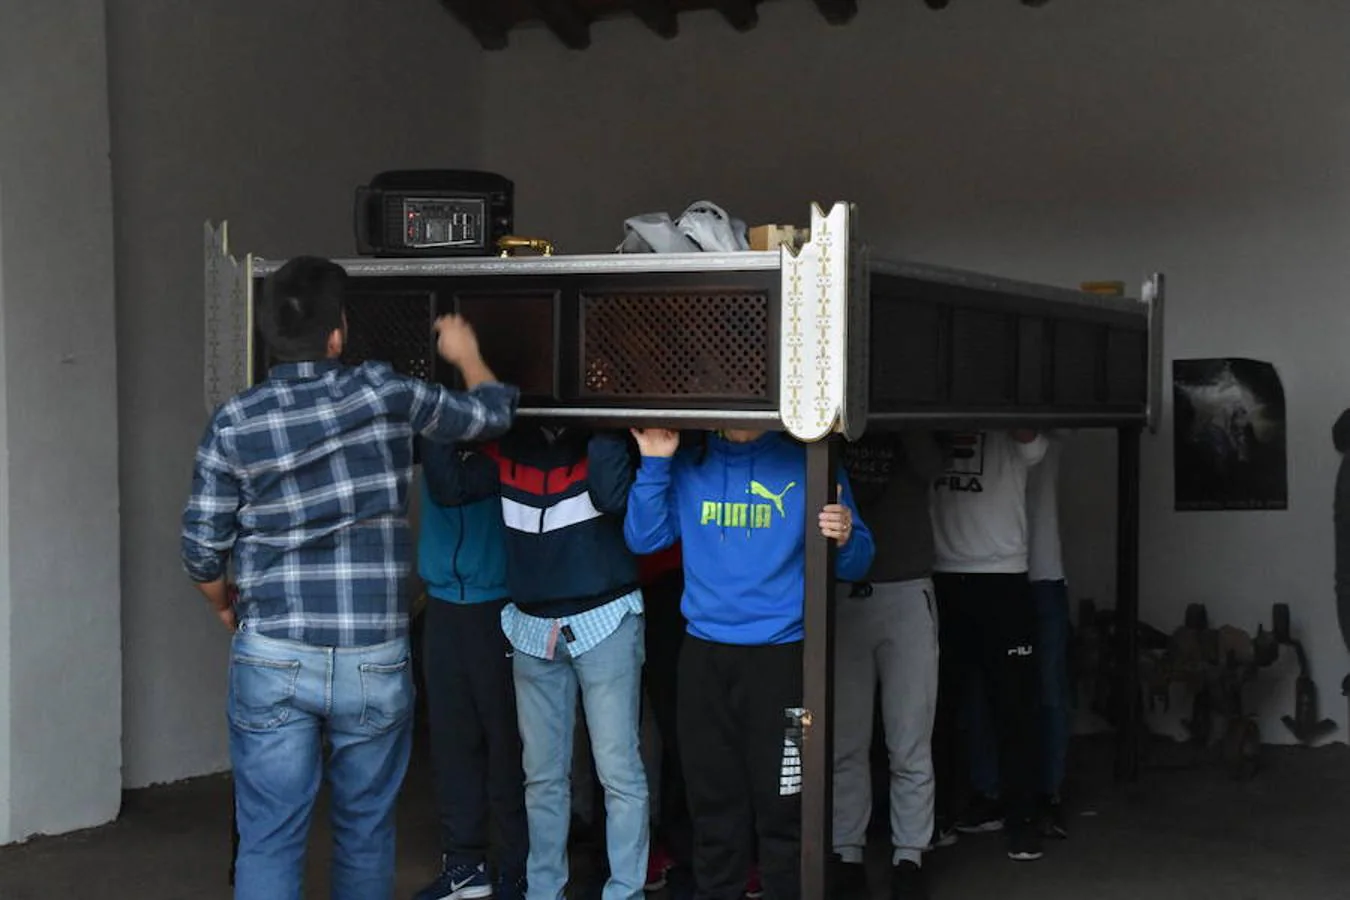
point(1104, 288)
point(509, 244)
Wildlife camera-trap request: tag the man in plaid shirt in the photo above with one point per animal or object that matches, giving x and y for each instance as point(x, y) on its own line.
point(303, 480)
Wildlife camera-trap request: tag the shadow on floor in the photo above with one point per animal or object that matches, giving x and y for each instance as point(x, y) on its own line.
point(1192, 834)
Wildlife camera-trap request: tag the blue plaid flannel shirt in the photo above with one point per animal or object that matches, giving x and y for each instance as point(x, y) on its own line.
point(304, 480)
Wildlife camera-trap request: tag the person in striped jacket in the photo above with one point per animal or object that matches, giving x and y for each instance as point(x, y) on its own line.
point(575, 624)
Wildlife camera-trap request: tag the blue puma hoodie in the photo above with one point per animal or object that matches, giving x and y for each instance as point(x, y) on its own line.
point(739, 510)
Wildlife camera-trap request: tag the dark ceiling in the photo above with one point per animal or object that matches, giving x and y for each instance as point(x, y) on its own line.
point(491, 21)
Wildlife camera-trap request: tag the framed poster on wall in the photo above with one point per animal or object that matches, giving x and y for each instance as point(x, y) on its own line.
point(1228, 435)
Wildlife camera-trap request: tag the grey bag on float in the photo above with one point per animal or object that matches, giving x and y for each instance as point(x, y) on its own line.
point(704, 226)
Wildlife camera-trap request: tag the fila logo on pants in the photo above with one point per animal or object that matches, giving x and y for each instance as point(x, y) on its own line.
point(1024, 650)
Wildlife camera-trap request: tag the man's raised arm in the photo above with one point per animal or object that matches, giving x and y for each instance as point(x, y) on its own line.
point(485, 411)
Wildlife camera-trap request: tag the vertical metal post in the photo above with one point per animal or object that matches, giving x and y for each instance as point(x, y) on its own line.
point(1154, 297)
point(1127, 603)
point(818, 672)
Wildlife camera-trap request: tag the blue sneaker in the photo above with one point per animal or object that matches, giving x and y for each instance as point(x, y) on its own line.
point(510, 887)
point(463, 882)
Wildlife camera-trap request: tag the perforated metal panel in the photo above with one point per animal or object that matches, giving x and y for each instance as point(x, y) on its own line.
point(676, 345)
point(393, 328)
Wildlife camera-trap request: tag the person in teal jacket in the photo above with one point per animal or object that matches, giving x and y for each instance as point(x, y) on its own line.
point(471, 701)
point(738, 506)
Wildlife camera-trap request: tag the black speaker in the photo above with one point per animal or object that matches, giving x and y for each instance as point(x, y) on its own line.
point(433, 212)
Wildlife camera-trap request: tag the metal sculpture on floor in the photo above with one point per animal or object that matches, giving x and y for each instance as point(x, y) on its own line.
point(1215, 664)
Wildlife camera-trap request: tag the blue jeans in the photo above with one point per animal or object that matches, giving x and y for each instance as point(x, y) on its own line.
point(1052, 646)
point(285, 700)
point(609, 677)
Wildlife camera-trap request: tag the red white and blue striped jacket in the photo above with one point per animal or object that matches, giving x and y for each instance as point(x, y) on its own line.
point(564, 494)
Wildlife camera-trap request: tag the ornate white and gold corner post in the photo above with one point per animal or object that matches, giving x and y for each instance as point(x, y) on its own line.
point(823, 378)
point(229, 353)
point(229, 318)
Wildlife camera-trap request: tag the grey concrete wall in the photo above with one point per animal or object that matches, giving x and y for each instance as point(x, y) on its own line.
point(60, 657)
point(268, 115)
point(1079, 141)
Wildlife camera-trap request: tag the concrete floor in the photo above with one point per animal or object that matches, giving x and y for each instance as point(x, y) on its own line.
point(1190, 834)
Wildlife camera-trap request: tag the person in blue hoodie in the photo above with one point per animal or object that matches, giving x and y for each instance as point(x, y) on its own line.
point(737, 505)
point(471, 698)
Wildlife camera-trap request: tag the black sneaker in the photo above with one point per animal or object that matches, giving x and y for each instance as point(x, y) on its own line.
point(983, 815)
point(1052, 818)
point(462, 882)
point(848, 881)
point(908, 882)
point(1024, 843)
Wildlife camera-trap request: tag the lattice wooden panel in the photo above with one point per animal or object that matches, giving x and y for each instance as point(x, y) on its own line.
point(671, 345)
point(393, 328)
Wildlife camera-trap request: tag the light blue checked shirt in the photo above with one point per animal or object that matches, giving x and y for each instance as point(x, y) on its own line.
point(542, 638)
point(303, 480)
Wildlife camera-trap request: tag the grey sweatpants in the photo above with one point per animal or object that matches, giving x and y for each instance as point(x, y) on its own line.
point(888, 639)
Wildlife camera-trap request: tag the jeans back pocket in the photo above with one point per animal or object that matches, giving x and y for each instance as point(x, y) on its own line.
point(262, 691)
point(386, 694)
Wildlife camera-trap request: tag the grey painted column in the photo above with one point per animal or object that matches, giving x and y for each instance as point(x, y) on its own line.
point(60, 596)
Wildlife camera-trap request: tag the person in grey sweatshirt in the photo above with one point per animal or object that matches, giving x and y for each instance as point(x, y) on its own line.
point(887, 636)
